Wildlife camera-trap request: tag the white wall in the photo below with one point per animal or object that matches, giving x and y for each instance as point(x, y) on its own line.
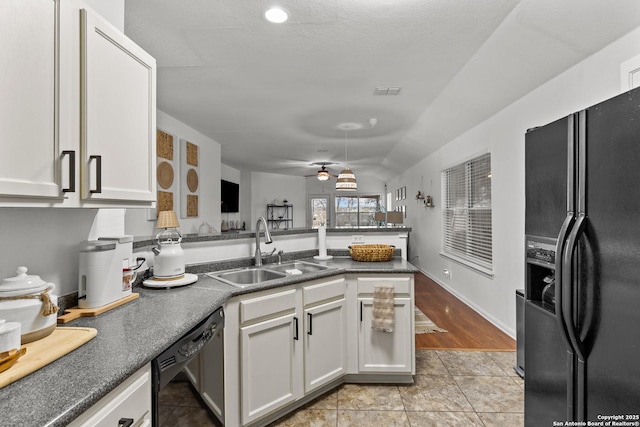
point(593, 80)
point(269, 188)
point(209, 183)
point(111, 10)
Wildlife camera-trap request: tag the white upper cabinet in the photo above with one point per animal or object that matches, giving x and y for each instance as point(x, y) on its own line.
point(78, 109)
point(118, 114)
point(28, 105)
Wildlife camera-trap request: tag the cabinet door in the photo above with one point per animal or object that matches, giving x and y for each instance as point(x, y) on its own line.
point(28, 105)
point(212, 375)
point(192, 371)
point(385, 351)
point(269, 369)
point(325, 350)
point(118, 92)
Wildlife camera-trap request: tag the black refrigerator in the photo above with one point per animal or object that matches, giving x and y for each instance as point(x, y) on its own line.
point(582, 225)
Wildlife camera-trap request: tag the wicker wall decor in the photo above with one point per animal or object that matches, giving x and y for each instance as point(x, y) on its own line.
point(166, 168)
point(164, 145)
point(189, 179)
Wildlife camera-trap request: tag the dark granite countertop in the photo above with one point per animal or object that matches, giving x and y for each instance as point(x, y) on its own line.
point(131, 336)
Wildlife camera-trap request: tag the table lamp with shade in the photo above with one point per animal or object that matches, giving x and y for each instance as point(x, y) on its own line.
point(395, 217)
point(169, 256)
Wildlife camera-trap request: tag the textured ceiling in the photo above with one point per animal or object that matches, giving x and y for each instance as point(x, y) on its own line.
point(274, 95)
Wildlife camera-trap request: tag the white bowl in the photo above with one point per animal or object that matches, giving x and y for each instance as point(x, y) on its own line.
point(28, 311)
point(9, 335)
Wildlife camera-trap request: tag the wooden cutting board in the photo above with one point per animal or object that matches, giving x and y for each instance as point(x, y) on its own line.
point(44, 351)
point(75, 312)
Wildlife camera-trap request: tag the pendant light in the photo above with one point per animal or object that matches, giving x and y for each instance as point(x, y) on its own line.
point(346, 179)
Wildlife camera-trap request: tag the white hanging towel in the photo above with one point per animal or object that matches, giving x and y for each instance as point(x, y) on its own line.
point(383, 308)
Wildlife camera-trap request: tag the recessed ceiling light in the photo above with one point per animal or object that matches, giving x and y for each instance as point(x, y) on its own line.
point(276, 15)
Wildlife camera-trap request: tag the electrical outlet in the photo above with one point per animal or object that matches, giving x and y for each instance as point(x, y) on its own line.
point(357, 239)
point(447, 274)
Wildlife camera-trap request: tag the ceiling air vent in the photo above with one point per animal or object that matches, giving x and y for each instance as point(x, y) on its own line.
point(387, 90)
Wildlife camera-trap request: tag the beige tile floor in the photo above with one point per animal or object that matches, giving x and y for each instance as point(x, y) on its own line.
point(452, 388)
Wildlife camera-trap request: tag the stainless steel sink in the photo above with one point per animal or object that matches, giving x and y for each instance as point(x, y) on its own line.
point(244, 277)
point(247, 277)
point(303, 267)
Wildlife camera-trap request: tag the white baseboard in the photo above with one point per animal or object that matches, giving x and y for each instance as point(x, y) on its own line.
point(495, 322)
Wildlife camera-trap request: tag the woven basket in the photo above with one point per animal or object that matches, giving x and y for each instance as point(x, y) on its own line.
point(372, 252)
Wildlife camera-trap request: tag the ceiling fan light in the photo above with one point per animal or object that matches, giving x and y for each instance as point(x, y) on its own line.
point(323, 175)
point(346, 181)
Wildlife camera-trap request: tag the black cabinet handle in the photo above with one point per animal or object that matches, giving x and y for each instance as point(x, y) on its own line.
point(125, 422)
point(98, 160)
point(310, 317)
point(72, 171)
point(361, 311)
point(295, 321)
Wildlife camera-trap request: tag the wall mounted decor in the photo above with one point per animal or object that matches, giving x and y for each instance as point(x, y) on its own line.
point(165, 171)
point(189, 179)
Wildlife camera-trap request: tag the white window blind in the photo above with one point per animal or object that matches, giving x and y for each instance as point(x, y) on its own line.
point(466, 219)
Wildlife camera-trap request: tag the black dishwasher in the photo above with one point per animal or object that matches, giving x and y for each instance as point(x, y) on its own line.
point(170, 362)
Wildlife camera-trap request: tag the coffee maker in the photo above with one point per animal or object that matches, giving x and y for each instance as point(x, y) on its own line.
point(104, 271)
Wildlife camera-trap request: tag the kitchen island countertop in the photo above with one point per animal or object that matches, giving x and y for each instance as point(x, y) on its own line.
point(131, 336)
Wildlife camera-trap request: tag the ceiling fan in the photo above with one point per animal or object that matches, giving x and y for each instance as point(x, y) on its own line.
point(323, 174)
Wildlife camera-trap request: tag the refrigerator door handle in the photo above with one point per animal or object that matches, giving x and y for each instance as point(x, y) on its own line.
point(560, 246)
point(567, 286)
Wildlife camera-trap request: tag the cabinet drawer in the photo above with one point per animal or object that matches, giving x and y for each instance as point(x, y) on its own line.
point(313, 294)
point(402, 285)
point(267, 305)
point(131, 399)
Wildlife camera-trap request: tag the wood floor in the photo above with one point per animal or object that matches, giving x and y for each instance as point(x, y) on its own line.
point(466, 329)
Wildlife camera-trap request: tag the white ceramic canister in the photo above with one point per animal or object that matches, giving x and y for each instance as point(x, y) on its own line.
point(27, 299)
point(9, 335)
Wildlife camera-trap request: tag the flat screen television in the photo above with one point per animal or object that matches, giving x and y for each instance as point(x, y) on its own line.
point(230, 193)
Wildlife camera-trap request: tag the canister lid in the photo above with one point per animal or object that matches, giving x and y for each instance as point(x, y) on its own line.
point(97, 246)
point(22, 283)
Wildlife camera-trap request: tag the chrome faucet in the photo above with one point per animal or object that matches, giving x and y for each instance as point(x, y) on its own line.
point(267, 240)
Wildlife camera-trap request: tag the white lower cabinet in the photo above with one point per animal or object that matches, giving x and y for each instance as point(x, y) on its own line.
point(193, 370)
point(270, 352)
point(130, 400)
point(211, 374)
point(380, 351)
point(388, 352)
point(325, 337)
point(269, 367)
point(294, 342)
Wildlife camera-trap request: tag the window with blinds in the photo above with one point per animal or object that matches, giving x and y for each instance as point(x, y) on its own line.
point(466, 219)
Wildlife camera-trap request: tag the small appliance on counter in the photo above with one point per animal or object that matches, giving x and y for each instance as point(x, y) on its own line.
point(168, 267)
point(26, 299)
point(105, 273)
